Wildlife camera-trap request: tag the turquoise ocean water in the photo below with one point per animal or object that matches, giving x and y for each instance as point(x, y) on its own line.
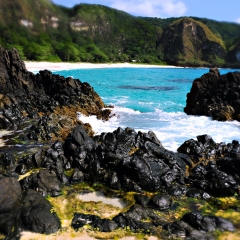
point(152, 99)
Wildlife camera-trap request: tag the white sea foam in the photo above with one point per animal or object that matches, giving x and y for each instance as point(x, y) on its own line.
point(172, 128)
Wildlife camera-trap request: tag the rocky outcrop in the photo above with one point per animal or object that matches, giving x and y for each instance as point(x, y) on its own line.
point(215, 95)
point(52, 97)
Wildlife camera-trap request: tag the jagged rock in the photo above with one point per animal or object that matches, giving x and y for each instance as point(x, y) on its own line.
point(215, 95)
point(181, 229)
point(221, 112)
point(24, 95)
point(124, 159)
point(204, 148)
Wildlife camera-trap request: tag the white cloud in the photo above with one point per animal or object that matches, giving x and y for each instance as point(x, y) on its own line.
point(151, 8)
point(238, 20)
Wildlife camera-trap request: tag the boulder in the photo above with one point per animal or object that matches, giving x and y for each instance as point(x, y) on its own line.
point(24, 211)
point(36, 214)
point(161, 202)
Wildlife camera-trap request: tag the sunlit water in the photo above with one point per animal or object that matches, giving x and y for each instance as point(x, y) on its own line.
point(152, 99)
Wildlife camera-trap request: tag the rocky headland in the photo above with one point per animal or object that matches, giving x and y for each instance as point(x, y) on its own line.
point(190, 194)
point(215, 95)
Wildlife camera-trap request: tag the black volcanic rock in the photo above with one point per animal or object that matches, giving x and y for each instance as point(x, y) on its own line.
point(194, 225)
point(215, 95)
point(125, 159)
point(27, 211)
point(23, 94)
point(36, 214)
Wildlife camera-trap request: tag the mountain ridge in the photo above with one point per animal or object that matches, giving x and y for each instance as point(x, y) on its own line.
point(42, 30)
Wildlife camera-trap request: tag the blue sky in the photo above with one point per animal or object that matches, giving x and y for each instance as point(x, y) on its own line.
point(221, 10)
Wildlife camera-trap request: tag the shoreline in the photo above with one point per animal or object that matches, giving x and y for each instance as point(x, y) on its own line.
point(54, 66)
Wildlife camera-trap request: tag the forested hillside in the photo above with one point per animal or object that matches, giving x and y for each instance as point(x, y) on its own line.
point(41, 30)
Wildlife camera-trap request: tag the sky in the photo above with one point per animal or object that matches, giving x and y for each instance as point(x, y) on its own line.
point(220, 10)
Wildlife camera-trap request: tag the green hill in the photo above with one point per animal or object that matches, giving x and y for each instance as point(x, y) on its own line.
point(190, 42)
point(41, 30)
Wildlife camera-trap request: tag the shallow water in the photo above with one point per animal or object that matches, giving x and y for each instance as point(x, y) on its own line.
point(98, 196)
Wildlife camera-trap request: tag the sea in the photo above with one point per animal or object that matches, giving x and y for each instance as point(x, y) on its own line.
point(152, 99)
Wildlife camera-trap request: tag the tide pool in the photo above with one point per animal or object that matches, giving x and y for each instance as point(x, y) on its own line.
point(152, 99)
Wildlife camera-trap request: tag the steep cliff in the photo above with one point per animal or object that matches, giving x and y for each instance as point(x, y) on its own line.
point(187, 41)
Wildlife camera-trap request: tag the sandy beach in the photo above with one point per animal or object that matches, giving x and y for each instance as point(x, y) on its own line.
point(52, 66)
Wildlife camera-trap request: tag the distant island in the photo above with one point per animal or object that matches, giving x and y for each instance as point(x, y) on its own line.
point(43, 31)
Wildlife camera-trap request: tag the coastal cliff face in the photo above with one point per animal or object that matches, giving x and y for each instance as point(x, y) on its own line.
point(24, 95)
point(215, 95)
point(189, 41)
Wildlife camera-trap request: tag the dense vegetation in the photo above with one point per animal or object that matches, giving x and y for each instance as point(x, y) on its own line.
point(41, 30)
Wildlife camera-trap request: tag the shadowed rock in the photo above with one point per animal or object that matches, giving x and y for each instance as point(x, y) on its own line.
point(215, 95)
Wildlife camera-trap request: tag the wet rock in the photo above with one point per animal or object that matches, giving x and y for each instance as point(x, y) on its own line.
point(178, 229)
point(177, 190)
point(134, 219)
point(215, 95)
point(207, 223)
point(194, 225)
point(195, 193)
point(203, 147)
point(7, 159)
point(161, 202)
point(125, 159)
point(79, 220)
point(105, 225)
